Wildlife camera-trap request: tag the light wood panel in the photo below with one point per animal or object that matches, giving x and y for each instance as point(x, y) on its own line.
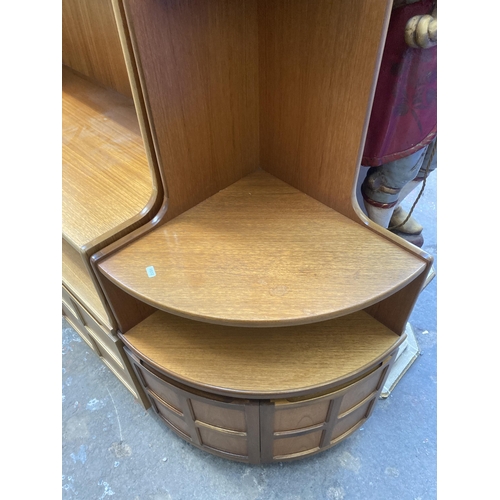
point(199, 65)
point(69, 311)
point(138, 98)
point(288, 427)
point(91, 45)
point(317, 66)
point(264, 362)
point(101, 340)
point(394, 311)
point(107, 182)
point(125, 309)
point(261, 253)
point(260, 431)
point(77, 279)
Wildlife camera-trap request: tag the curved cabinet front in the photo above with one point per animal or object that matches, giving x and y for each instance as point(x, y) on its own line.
point(223, 426)
point(262, 430)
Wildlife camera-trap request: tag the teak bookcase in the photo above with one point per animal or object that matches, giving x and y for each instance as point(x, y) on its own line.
point(109, 178)
point(260, 309)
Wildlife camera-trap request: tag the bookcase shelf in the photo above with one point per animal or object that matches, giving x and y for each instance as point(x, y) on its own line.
point(262, 253)
point(262, 394)
point(262, 363)
point(106, 178)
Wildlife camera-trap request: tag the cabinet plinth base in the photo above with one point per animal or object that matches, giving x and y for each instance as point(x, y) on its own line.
point(406, 355)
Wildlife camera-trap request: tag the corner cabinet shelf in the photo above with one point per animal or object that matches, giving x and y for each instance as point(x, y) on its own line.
point(109, 185)
point(260, 309)
point(247, 362)
point(261, 253)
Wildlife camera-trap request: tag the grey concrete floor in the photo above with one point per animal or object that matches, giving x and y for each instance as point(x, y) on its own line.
point(112, 447)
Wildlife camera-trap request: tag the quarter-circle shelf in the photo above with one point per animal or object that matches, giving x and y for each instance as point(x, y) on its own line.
point(261, 253)
point(260, 363)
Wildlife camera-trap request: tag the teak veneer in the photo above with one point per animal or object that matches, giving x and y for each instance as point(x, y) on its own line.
point(77, 279)
point(262, 363)
point(261, 253)
point(110, 180)
point(91, 44)
point(106, 179)
point(101, 143)
point(267, 394)
point(260, 309)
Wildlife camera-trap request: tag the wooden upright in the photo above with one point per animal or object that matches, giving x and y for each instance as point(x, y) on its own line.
point(260, 309)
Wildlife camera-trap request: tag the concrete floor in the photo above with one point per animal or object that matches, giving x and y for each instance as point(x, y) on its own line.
point(112, 447)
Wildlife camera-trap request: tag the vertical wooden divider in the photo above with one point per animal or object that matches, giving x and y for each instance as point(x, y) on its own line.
point(199, 64)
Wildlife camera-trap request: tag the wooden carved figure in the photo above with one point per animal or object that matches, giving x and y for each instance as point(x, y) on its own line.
point(401, 140)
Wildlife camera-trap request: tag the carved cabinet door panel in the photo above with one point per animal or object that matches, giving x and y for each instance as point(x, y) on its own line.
point(220, 425)
point(293, 428)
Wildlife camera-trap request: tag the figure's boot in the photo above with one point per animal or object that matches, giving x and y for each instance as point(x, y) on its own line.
point(380, 214)
point(383, 186)
point(410, 229)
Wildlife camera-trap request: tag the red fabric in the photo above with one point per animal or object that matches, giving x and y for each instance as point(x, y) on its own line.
point(404, 114)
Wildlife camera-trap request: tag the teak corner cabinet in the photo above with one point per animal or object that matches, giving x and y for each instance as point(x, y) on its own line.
point(212, 243)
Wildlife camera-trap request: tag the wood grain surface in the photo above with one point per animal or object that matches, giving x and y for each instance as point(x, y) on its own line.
point(232, 85)
point(106, 177)
point(394, 311)
point(317, 70)
point(138, 98)
point(91, 45)
point(261, 362)
point(261, 253)
point(77, 279)
point(199, 66)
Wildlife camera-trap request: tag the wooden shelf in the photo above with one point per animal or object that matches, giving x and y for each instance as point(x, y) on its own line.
point(106, 176)
point(261, 253)
point(262, 362)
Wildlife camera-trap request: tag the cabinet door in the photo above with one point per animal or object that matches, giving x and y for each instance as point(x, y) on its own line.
point(295, 428)
point(223, 426)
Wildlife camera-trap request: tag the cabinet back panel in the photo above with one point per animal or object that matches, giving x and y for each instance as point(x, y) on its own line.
point(317, 68)
point(91, 44)
point(198, 61)
point(233, 85)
